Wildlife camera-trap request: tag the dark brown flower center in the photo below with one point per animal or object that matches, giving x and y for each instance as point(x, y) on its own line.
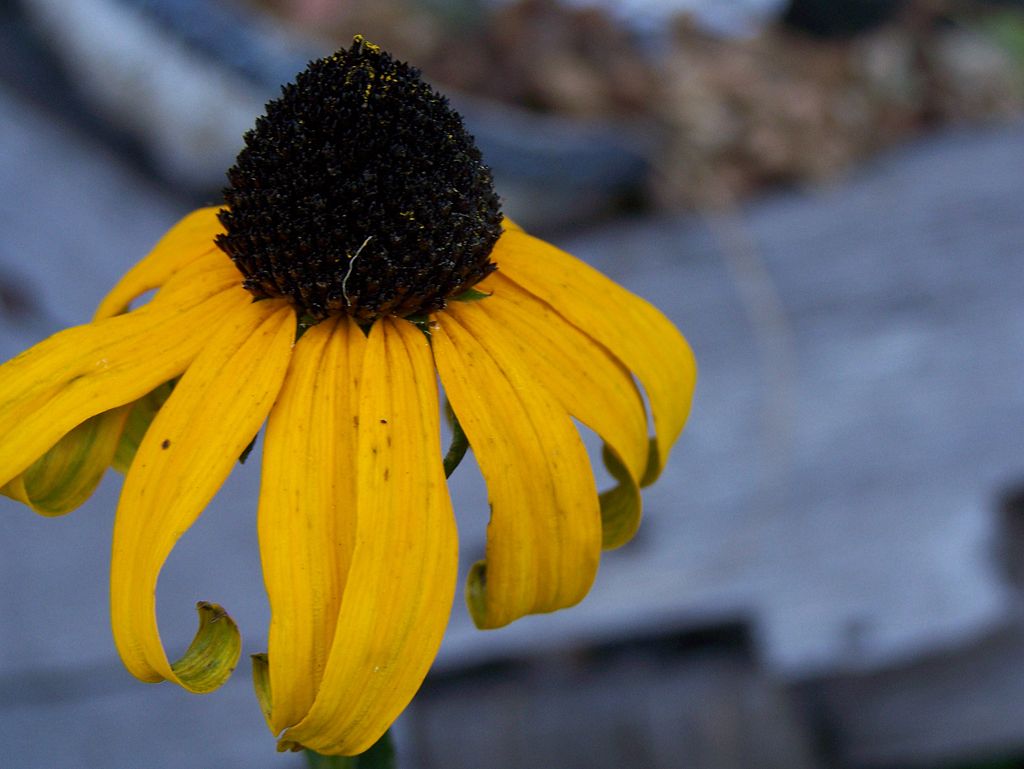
point(360, 192)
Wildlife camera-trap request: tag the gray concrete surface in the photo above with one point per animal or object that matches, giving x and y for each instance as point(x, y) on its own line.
point(674, 702)
point(958, 707)
point(857, 416)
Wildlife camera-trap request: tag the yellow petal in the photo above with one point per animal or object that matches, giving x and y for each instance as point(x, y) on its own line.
point(66, 475)
point(188, 451)
point(633, 330)
point(307, 513)
point(140, 415)
point(210, 273)
point(261, 684)
point(544, 536)
point(402, 578)
point(589, 383)
point(189, 239)
point(204, 276)
point(75, 374)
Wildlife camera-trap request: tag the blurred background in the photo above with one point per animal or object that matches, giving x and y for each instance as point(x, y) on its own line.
point(824, 195)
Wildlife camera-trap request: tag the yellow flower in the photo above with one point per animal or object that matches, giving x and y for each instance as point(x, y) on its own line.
point(361, 218)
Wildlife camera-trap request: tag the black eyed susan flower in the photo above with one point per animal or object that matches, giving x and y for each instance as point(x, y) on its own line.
point(361, 255)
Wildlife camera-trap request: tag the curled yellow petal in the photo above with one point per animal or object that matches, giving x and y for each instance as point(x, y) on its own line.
point(307, 513)
point(621, 505)
point(189, 239)
point(401, 580)
point(590, 384)
point(66, 475)
point(261, 685)
point(213, 653)
point(544, 536)
point(188, 451)
point(633, 330)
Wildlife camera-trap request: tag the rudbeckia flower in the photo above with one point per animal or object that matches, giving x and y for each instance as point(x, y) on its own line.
point(360, 257)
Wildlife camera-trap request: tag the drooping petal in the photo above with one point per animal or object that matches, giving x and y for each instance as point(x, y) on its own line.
point(544, 536)
point(402, 578)
point(140, 415)
point(307, 514)
point(633, 330)
point(188, 451)
point(189, 239)
point(78, 373)
point(66, 475)
point(210, 273)
point(589, 383)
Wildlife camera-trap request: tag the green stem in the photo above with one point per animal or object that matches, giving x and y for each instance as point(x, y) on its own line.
point(381, 755)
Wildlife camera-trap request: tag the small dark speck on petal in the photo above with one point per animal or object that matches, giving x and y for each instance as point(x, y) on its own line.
point(387, 473)
point(383, 421)
point(166, 444)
